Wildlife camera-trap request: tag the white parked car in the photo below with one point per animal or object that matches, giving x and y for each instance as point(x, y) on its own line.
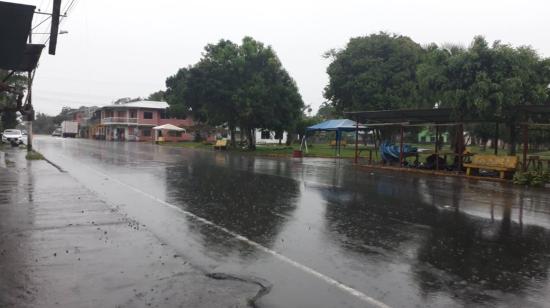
point(13, 135)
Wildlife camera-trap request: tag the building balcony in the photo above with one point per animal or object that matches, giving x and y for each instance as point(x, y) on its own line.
point(118, 120)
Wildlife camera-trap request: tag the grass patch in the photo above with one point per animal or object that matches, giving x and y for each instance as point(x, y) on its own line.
point(188, 144)
point(33, 155)
point(325, 150)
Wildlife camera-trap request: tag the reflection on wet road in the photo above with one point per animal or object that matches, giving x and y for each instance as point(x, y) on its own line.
point(403, 240)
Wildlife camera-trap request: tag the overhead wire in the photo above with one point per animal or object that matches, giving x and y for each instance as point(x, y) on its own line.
point(68, 8)
point(64, 9)
point(44, 20)
point(73, 2)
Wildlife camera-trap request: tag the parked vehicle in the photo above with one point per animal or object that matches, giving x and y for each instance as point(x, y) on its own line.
point(69, 129)
point(57, 132)
point(13, 136)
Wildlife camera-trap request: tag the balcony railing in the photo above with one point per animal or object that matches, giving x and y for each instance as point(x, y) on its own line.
point(118, 120)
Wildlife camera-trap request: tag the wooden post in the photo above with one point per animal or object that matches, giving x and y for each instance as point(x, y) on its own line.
point(401, 147)
point(525, 145)
point(356, 140)
point(436, 147)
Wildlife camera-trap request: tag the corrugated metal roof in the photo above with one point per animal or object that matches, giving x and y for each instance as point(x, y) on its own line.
point(141, 104)
point(440, 115)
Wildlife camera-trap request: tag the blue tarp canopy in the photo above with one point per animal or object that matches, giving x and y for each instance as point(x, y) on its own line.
point(338, 126)
point(341, 125)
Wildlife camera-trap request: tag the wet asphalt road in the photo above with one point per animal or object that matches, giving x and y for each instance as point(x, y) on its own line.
point(62, 246)
point(323, 233)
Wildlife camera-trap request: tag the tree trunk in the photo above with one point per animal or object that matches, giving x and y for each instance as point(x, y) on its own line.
point(232, 132)
point(484, 141)
point(251, 139)
point(513, 139)
point(289, 137)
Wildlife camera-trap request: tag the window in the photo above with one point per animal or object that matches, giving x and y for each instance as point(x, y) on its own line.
point(146, 132)
point(266, 134)
point(162, 114)
point(121, 114)
point(133, 114)
point(174, 134)
point(147, 115)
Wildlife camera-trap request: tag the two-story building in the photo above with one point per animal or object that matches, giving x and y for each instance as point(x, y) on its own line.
point(134, 121)
point(82, 116)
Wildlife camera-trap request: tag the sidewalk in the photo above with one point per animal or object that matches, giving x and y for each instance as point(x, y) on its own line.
point(62, 246)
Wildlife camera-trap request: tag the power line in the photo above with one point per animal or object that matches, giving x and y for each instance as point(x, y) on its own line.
point(45, 19)
point(66, 5)
point(71, 6)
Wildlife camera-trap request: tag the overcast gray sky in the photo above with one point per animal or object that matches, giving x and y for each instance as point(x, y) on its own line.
point(127, 48)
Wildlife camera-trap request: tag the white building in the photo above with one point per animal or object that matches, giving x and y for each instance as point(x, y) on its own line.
point(262, 136)
point(268, 137)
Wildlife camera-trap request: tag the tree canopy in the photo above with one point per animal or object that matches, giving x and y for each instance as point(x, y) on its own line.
point(374, 72)
point(157, 96)
point(8, 100)
point(241, 86)
point(384, 71)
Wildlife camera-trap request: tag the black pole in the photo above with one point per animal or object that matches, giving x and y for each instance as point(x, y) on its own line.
point(356, 139)
point(436, 147)
point(496, 138)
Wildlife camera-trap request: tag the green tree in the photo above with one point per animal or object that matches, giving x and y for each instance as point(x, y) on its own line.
point(159, 96)
point(492, 81)
point(176, 86)
point(241, 86)
point(374, 72)
point(43, 124)
point(12, 99)
point(8, 119)
point(327, 111)
point(304, 123)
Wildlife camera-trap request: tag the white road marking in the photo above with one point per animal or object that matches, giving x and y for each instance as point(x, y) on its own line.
point(360, 295)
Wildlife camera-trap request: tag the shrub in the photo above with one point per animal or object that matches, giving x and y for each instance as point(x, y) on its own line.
point(532, 178)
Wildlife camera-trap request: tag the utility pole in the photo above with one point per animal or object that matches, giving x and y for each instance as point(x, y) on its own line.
point(29, 113)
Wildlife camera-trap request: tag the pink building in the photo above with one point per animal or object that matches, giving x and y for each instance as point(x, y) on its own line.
point(134, 121)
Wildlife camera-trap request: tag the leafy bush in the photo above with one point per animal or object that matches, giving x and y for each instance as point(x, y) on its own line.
point(532, 178)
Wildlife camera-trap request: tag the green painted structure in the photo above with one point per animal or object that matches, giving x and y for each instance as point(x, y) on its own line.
point(428, 136)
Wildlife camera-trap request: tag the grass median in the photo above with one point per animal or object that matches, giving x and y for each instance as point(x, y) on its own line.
point(33, 155)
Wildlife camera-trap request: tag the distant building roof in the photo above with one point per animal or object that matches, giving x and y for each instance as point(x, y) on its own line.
point(141, 104)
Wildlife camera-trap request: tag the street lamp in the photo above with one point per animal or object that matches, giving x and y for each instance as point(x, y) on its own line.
point(47, 33)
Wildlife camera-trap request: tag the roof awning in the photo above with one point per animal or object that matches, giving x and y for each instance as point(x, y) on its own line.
point(169, 127)
point(15, 26)
point(439, 116)
point(31, 57)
